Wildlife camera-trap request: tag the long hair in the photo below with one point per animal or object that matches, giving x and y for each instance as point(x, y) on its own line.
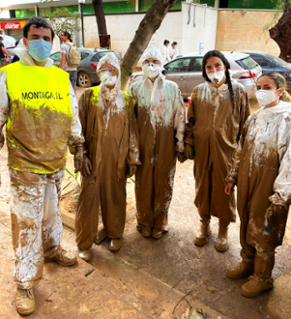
point(280, 82)
point(68, 35)
point(218, 54)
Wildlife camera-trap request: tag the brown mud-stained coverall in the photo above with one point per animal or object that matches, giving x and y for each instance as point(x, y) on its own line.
point(161, 129)
point(111, 140)
point(213, 129)
point(262, 171)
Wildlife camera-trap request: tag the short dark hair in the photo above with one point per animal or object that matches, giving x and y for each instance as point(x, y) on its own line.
point(68, 35)
point(1, 38)
point(38, 23)
point(166, 42)
point(174, 43)
point(16, 43)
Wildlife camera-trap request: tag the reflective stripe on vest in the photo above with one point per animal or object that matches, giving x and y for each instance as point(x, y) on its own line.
point(40, 119)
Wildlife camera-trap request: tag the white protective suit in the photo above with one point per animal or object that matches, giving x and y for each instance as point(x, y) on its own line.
point(161, 126)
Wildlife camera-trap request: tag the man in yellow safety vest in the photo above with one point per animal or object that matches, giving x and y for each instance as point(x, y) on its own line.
point(40, 110)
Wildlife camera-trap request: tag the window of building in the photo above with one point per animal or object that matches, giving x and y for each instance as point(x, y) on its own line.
point(25, 13)
point(144, 5)
point(43, 12)
point(250, 4)
point(112, 7)
point(210, 3)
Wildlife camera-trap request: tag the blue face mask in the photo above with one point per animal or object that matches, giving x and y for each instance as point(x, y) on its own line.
point(40, 50)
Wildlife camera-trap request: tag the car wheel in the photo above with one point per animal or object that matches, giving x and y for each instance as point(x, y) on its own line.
point(84, 80)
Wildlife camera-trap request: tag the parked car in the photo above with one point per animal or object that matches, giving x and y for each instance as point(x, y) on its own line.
point(8, 41)
point(86, 71)
point(186, 71)
point(269, 62)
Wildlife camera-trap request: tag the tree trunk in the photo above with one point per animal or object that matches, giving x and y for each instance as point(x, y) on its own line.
point(100, 17)
point(280, 33)
point(148, 26)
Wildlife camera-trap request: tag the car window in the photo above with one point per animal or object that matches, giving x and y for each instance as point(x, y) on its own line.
point(11, 51)
point(257, 59)
point(56, 57)
point(180, 65)
point(84, 55)
point(247, 63)
point(99, 55)
point(8, 40)
point(278, 60)
point(195, 65)
point(265, 63)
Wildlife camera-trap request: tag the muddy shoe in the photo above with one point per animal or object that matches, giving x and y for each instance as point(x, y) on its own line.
point(255, 286)
point(63, 257)
point(201, 237)
point(157, 233)
point(221, 244)
point(25, 303)
point(115, 244)
point(85, 254)
point(240, 270)
point(146, 232)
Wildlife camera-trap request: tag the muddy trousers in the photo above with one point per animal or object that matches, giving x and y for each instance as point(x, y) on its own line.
point(36, 223)
point(211, 199)
point(153, 191)
point(111, 196)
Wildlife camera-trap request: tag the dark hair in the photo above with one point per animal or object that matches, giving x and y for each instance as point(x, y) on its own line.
point(16, 43)
point(280, 82)
point(38, 23)
point(166, 42)
point(68, 35)
point(1, 38)
point(218, 54)
point(174, 43)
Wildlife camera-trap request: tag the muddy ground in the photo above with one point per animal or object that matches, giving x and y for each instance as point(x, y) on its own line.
point(147, 278)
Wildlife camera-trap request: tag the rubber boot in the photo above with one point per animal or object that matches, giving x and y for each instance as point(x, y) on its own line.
point(85, 254)
point(221, 243)
point(201, 237)
point(115, 244)
point(146, 231)
point(262, 278)
point(243, 269)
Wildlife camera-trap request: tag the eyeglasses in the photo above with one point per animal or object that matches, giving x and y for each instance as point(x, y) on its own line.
point(106, 70)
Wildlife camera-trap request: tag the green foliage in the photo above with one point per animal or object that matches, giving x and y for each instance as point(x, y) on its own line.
point(75, 177)
point(63, 19)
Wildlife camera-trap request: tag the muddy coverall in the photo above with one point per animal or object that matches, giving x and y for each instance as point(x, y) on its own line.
point(262, 171)
point(41, 118)
point(111, 142)
point(213, 129)
point(161, 127)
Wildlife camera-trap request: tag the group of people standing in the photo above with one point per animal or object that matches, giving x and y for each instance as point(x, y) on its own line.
point(115, 135)
point(169, 52)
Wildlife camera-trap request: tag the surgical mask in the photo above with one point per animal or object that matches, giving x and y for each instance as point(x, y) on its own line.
point(152, 70)
point(40, 50)
point(107, 78)
point(216, 77)
point(265, 97)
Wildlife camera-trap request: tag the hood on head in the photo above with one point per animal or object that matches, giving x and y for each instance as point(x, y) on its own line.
point(112, 60)
point(152, 52)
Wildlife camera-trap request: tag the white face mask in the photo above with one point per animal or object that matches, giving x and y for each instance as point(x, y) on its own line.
point(108, 79)
point(151, 70)
point(265, 97)
point(216, 77)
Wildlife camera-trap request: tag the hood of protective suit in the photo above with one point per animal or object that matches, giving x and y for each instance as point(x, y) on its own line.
point(114, 96)
point(157, 85)
point(25, 57)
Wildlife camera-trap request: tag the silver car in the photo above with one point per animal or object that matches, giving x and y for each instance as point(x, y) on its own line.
point(186, 71)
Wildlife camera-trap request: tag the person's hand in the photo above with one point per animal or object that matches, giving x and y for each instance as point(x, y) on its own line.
point(78, 158)
point(189, 151)
point(229, 188)
point(86, 167)
point(132, 170)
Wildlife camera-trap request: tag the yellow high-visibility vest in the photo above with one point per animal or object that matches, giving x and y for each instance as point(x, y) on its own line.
point(40, 118)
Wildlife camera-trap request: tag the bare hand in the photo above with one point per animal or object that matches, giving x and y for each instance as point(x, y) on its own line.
point(86, 167)
point(189, 151)
point(132, 171)
point(78, 158)
point(229, 188)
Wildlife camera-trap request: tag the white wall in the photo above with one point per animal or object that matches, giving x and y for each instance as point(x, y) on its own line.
point(122, 29)
point(200, 27)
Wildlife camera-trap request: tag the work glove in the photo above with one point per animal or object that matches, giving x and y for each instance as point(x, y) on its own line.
point(280, 211)
point(86, 167)
point(132, 171)
point(181, 157)
point(189, 151)
point(78, 158)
